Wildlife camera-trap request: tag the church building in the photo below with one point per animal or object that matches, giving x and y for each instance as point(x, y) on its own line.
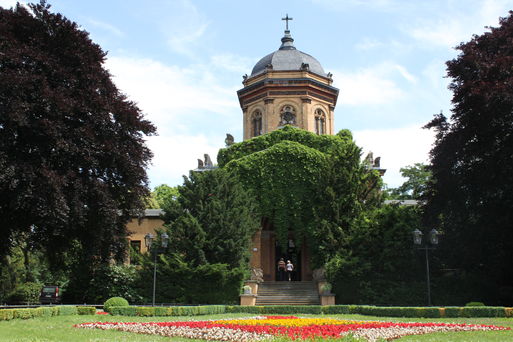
point(286, 87)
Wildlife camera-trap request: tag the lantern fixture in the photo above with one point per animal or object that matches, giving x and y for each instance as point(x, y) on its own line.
point(148, 240)
point(417, 237)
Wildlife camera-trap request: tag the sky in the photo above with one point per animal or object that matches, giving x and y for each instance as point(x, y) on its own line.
point(182, 62)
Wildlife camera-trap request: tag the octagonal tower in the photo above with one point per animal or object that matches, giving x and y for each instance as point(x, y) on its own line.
point(287, 87)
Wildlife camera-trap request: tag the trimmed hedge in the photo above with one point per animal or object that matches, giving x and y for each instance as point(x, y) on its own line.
point(45, 311)
point(147, 311)
point(67, 310)
point(6, 314)
point(86, 310)
point(276, 309)
point(379, 311)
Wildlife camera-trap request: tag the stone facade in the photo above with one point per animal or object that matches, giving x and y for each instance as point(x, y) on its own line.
point(308, 98)
point(138, 227)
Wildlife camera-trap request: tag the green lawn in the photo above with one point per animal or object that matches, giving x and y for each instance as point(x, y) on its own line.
point(60, 329)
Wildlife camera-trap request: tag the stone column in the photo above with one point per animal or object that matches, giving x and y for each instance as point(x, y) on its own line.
point(305, 115)
point(269, 112)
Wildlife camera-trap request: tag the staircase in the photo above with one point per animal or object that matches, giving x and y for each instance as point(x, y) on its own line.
point(287, 293)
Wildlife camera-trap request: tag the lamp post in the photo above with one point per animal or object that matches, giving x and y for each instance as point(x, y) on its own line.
point(148, 240)
point(430, 244)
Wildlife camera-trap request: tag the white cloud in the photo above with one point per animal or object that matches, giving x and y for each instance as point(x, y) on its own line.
point(397, 148)
point(190, 108)
point(368, 44)
point(11, 3)
point(405, 74)
point(175, 156)
point(454, 26)
point(183, 40)
point(106, 27)
point(383, 5)
point(233, 63)
point(184, 26)
point(169, 94)
point(374, 85)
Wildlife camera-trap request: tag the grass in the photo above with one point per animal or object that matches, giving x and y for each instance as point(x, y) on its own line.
point(60, 329)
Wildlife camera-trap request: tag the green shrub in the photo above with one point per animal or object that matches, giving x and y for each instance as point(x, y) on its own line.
point(145, 311)
point(113, 281)
point(67, 310)
point(452, 311)
point(167, 311)
point(335, 309)
point(162, 311)
point(26, 293)
point(24, 313)
point(6, 314)
point(47, 311)
point(114, 301)
point(275, 309)
point(86, 310)
point(474, 304)
point(483, 311)
point(123, 310)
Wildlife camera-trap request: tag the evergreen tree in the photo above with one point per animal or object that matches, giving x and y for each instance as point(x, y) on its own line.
point(210, 225)
point(212, 220)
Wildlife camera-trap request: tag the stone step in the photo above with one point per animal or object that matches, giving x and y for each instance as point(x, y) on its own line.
point(287, 293)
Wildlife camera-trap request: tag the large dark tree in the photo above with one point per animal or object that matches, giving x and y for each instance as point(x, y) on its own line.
point(72, 150)
point(471, 194)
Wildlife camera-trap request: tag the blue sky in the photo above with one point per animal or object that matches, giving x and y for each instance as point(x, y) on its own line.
point(182, 61)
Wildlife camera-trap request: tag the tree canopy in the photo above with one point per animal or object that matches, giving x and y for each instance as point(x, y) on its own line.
point(471, 195)
point(72, 149)
point(417, 179)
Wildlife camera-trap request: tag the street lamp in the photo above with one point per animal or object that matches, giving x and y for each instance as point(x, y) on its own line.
point(148, 240)
point(431, 244)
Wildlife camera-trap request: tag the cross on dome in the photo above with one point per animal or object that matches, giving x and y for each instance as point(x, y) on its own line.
point(287, 21)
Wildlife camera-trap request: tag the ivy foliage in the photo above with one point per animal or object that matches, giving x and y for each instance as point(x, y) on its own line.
point(312, 185)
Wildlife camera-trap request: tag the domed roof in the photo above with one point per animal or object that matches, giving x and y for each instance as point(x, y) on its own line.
point(287, 57)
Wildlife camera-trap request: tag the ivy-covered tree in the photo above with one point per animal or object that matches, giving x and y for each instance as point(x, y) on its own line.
point(72, 149)
point(471, 195)
point(312, 185)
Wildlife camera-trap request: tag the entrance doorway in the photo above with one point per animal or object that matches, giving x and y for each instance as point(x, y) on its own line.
point(292, 253)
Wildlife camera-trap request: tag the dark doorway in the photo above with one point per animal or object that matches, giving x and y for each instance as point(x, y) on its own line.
point(292, 253)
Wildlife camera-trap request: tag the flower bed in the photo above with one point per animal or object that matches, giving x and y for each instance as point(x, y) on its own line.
point(266, 327)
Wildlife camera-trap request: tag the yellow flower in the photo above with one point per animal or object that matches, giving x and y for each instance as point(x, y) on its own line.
point(298, 322)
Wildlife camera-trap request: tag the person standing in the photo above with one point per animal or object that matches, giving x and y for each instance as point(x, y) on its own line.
point(289, 268)
point(281, 269)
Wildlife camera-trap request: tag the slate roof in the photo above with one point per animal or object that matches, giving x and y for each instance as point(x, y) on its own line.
point(287, 57)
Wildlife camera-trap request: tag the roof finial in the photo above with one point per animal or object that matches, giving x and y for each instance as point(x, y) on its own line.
point(286, 41)
point(287, 21)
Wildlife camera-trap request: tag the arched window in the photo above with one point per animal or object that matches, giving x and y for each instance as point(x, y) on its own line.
point(256, 123)
point(320, 122)
point(287, 116)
